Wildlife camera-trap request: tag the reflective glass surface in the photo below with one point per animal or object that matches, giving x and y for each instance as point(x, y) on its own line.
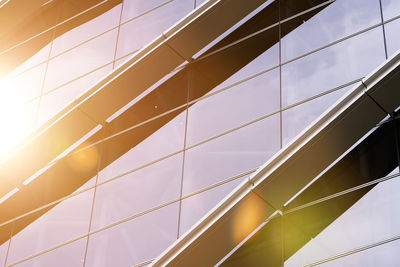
point(332, 66)
point(392, 36)
point(5, 242)
point(231, 154)
point(140, 31)
point(162, 142)
point(132, 219)
point(385, 255)
point(199, 2)
point(70, 65)
point(195, 207)
point(135, 8)
point(371, 219)
point(39, 57)
point(134, 241)
point(295, 119)
point(334, 21)
point(86, 31)
point(233, 107)
point(72, 254)
point(391, 8)
point(55, 100)
point(65, 221)
point(3, 251)
point(138, 191)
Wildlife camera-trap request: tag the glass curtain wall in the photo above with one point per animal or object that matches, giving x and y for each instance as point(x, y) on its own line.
point(208, 125)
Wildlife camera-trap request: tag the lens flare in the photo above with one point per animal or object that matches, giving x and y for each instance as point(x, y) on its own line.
point(85, 160)
point(13, 124)
point(248, 217)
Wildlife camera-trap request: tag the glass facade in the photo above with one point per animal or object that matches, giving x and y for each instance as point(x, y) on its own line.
point(195, 135)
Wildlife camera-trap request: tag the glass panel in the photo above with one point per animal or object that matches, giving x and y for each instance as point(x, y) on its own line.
point(5, 234)
point(264, 248)
point(231, 154)
point(195, 207)
point(3, 251)
point(295, 119)
point(199, 2)
point(360, 217)
point(392, 36)
point(135, 241)
point(54, 101)
point(138, 191)
point(135, 8)
point(81, 60)
point(233, 107)
point(371, 219)
point(222, 64)
point(142, 145)
point(333, 22)
point(266, 60)
point(66, 256)
point(384, 255)
point(391, 8)
point(139, 32)
point(83, 32)
point(41, 56)
point(121, 60)
point(332, 66)
point(65, 221)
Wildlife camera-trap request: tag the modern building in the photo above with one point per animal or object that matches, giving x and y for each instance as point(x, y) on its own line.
point(198, 133)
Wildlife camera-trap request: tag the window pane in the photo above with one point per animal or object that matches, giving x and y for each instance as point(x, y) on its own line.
point(81, 60)
point(66, 256)
point(134, 8)
point(383, 255)
point(54, 101)
point(334, 21)
point(5, 234)
point(297, 118)
point(195, 207)
point(231, 154)
point(391, 8)
point(65, 221)
point(392, 36)
point(87, 30)
point(138, 191)
point(331, 67)
point(135, 241)
point(371, 219)
point(160, 139)
point(359, 217)
point(233, 107)
point(139, 32)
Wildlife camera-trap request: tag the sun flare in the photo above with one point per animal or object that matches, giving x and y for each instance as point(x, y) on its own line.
point(13, 125)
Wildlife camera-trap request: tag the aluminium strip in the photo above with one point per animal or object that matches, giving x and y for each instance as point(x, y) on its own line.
point(292, 168)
